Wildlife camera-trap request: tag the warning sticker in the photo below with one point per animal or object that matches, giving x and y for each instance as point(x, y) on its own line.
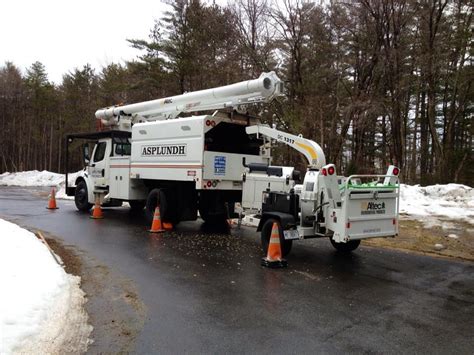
point(219, 165)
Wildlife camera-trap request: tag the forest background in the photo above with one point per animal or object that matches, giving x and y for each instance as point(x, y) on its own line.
point(373, 82)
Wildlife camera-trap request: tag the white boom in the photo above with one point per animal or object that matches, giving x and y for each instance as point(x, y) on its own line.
point(310, 149)
point(264, 89)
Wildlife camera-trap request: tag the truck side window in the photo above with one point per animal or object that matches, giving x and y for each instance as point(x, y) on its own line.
point(100, 151)
point(123, 149)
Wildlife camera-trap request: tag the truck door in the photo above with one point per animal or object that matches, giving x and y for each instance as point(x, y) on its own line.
point(99, 165)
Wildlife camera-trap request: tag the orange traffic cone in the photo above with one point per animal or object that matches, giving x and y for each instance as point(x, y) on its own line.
point(274, 258)
point(97, 211)
point(52, 200)
point(156, 226)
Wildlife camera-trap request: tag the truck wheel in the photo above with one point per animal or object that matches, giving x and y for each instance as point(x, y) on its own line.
point(266, 234)
point(155, 197)
point(137, 205)
point(81, 197)
point(345, 247)
point(211, 218)
point(211, 211)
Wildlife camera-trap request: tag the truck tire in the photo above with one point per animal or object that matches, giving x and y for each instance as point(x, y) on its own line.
point(266, 234)
point(345, 247)
point(211, 218)
point(81, 197)
point(137, 205)
point(207, 208)
point(155, 197)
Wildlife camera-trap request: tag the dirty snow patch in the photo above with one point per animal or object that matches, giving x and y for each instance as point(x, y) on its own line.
point(41, 308)
point(432, 204)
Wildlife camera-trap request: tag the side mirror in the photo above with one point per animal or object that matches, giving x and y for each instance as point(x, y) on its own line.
point(85, 153)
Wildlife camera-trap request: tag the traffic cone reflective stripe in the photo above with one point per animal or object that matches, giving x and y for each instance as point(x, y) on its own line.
point(97, 211)
point(156, 226)
point(52, 200)
point(274, 257)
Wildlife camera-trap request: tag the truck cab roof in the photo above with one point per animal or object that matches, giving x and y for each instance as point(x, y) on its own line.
point(99, 135)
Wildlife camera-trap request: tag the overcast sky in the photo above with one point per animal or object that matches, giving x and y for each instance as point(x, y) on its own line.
point(65, 34)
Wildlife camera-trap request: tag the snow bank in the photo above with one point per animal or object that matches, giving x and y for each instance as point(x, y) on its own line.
point(41, 305)
point(35, 178)
point(32, 178)
point(453, 201)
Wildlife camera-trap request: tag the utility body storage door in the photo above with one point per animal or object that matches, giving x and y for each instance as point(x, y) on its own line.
point(121, 185)
point(119, 177)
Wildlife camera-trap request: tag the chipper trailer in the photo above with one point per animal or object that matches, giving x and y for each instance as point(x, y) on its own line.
point(219, 165)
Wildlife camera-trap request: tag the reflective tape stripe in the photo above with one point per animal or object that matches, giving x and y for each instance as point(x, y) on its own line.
point(309, 149)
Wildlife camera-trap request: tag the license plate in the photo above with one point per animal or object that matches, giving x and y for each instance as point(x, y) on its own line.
point(291, 234)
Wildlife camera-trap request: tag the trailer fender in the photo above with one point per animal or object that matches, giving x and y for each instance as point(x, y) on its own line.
point(285, 219)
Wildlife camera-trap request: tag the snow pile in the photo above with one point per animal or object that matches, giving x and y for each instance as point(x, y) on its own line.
point(35, 178)
point(453, 201)
point(32, 178)
point(41, 308)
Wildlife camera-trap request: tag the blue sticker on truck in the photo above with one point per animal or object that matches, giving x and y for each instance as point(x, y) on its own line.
point(219, 165)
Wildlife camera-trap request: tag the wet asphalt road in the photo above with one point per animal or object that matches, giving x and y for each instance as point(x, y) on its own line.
point(201, 290)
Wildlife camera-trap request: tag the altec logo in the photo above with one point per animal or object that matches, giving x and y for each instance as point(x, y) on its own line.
point(372, 208)
point(374, 205)
point(164, 150)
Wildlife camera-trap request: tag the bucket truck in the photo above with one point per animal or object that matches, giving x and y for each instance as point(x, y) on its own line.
point(150, 155)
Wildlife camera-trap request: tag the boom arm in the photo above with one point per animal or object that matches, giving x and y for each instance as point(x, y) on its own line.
point(310, 149)
point(263, 89)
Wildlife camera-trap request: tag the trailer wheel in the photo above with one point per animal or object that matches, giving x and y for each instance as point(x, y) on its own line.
point(81, 197)
point(137, 205)
point(345, 247)
point(155, 197)
point(267, 232)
